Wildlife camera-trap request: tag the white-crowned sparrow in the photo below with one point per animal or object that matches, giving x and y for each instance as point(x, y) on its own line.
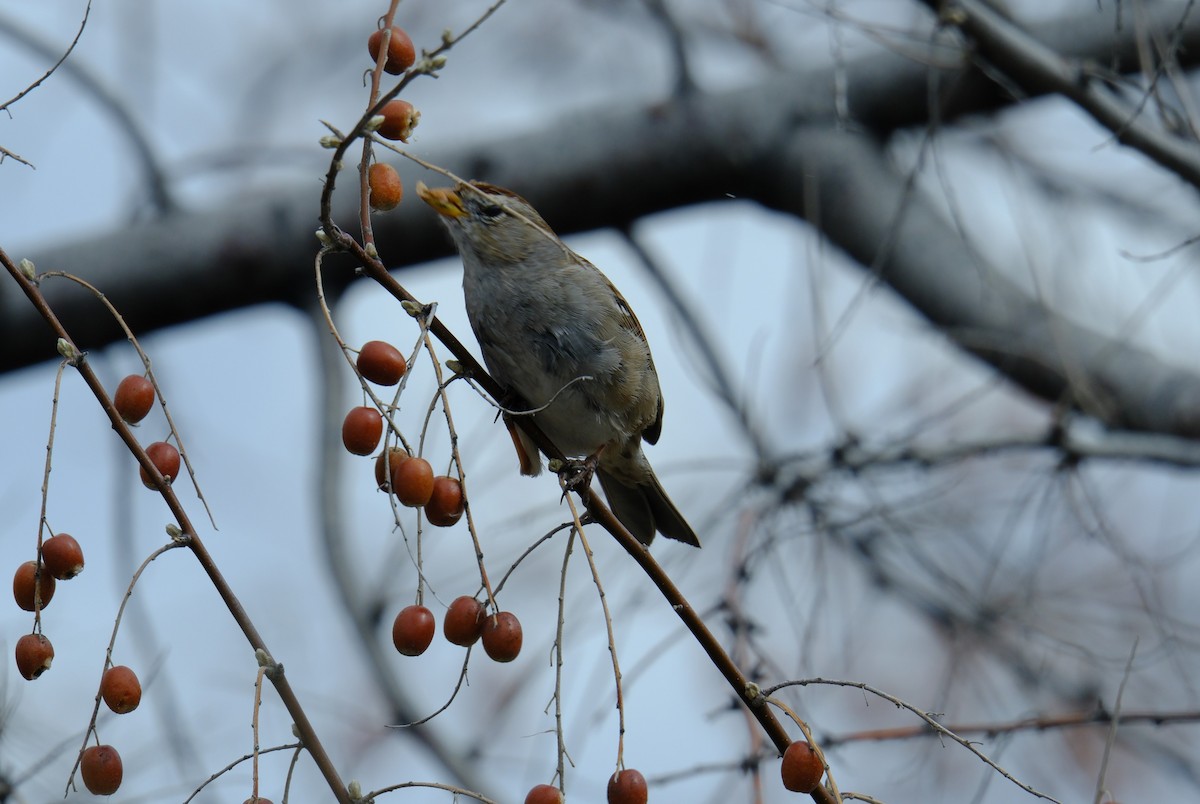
point(556, 332)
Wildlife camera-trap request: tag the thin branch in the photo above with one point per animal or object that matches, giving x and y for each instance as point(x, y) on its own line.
point(1113, 725)
point(42, 48)
point(1038, 68)
point(929, 719)
point(112, 641)
point(108, 101)
point(303, 725)
point(1042, 723)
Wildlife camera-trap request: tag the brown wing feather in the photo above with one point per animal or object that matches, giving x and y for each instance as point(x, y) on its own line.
point(630, 322)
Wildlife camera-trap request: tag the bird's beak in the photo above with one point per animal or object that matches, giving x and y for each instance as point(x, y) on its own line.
point(443, 200)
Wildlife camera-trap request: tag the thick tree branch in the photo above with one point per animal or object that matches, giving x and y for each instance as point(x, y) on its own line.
point(862, 203)
point(1038, 69)
point(776, 142)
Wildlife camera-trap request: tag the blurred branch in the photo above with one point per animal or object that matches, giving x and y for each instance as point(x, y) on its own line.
point(781, 143)
point(108, 101)
point(929, 718)
point(1073, 440)
point(684, 83)
point(1095, 717)
point(721, 384)
point(1039, 69)
point(856, 198)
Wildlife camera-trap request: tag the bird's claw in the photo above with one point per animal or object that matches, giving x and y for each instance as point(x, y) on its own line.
point(577, 474)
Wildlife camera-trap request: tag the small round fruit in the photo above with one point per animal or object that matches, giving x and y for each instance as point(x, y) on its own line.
point(413, 630)
point(134, 398)
point(257, 800)
point(386, 463)
point(801, 768)
point(101, 769)
point(165, 458)
point(502, 636)
point(380, 362)
point(386, 190)
point(62, 556)
point(25, 581)
point(445, 506)
point(400, 53)
point(544, 794)
point(34, 655)
point(464, 621)
point(399, 120)
point(362, 429)
point(121, 689)
point(412, 481)
point(627, 787)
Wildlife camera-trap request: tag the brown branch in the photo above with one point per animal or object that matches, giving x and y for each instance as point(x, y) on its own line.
point(29, 40)
point(194, 543)
point(1076, 720)
point(745, 691)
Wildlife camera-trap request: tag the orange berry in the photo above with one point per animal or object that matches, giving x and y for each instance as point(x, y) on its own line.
point(380, 362)
point(801, 768)
point(413, 630)
point(62, 556)
point(165, 458)
point(464, 621)
point(386, 190)
point(627, 787)
point(386, 463)
point(445, 506)
point(25, 581)
point(101, 769)
point(502, 636)
point(400, 53)
point(134, 398)
point(412, 482)
point(544, 794)
point(34, 654)
point(399, 119)
point(121, 689)
point(362, 429)
point(257, 800)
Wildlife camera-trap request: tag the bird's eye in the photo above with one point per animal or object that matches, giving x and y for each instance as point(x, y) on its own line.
point(491, 210)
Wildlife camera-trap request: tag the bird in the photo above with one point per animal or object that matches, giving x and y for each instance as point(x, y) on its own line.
point(558, 334)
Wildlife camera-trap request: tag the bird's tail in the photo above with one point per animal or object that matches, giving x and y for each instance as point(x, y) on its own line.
point(645, 508)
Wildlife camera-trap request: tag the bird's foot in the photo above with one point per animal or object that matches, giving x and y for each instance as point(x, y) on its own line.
point(577, 473)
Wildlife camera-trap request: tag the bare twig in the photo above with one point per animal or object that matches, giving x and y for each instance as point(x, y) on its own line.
point(929, 719)
point(42, 523)
point(162, 399)
point(26, 38)
point(449, 788)
point(1112, 726)
point(608, 626)
point(112, 641)
point(245, 758)
point(1042, 723)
